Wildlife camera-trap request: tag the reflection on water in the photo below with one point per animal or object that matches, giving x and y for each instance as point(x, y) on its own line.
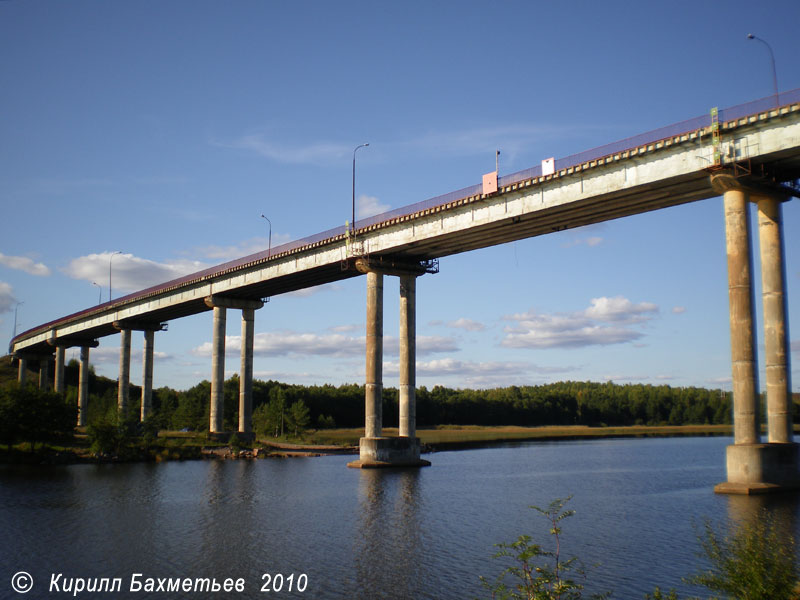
point(400, 534)
point(389, 546)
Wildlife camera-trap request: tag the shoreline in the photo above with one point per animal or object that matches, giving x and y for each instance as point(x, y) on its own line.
point(339, 442)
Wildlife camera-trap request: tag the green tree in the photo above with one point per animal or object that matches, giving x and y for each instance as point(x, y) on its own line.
point(539, 574)
point(298, 417)
point(755, 561)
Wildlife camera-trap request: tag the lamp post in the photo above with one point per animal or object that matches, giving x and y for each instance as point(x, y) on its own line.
point(111, 258)
point(353, 223)
point(750, 36)
point(16, 308)
point(269, 247)
point(99, 293)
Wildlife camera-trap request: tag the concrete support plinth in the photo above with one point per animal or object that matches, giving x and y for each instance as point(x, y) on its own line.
point(147, 374)
point(83, 386)
point(776, 342)
point(217, 371)
point(383, 452)
point(246, 374)
point(761, 468)
point(59, 379)
point(123, 391)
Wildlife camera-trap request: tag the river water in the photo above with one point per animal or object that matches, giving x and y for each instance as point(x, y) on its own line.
point(405, 534)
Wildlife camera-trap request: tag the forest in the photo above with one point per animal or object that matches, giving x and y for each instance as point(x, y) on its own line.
point(328, 406)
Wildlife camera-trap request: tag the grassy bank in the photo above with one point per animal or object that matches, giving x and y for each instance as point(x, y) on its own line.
point(466, 436)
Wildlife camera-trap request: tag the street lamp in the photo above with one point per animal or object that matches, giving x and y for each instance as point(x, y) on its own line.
point(269, 247)
point(16, 308)
point(109, 272)
point(750, 36)
point(353, 224)
point(99, 293)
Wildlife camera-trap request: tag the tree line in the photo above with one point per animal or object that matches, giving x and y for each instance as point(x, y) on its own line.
point(281, 409)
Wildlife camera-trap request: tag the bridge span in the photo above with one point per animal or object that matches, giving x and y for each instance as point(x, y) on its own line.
point(748, 153)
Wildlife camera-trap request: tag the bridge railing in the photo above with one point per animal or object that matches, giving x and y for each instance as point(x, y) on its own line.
point(727, 114)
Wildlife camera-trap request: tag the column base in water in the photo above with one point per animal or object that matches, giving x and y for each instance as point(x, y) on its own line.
point(388, 452)
point(761, 469)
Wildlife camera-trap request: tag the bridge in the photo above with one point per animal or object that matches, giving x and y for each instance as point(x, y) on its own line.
point(748, 153)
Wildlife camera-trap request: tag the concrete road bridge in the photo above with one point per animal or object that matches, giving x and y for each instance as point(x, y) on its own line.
point(748, 153)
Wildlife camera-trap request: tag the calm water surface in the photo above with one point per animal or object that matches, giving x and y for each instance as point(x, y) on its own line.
point(412, 534)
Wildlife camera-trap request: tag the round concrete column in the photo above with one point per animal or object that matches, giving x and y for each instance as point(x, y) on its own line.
point(59, 381)
point(374, 375)
point(217, 371)
point(147, 374)
point(44, 372)
point(246, 372)
point(22, 373)
point(773, 288)
point(408, 341)
point(740, 295)
point(83, 386)
point(123, 391)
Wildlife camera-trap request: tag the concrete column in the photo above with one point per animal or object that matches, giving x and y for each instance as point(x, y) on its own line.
point(246, 372)
point(83, 386)
point(408, 342)
point(773, 289)
point(44, 373)
point(374, 376)
point(740, 295)
point(147, 374)
point(218, 371)
point(59, 381)
point(123, 391)
point(22, 373)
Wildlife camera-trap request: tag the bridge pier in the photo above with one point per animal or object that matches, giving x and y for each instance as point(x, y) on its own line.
point(376, 450)
point(83, 386)
point(123, 388)
point(220, 304)
point(147, 374)
point(752, 466)
point(22, 372)
point(44, 372)
point(59, 376)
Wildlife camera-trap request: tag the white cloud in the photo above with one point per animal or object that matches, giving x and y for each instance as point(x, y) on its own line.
point(244, 248)
point(678, 310)
point(346, 328)
point(110, 355)
point(316, 153)
point(478, 374)
point(369, 206)
point(129, 272)
point(7, 299)
point(23, 263)
point(426, 344)
point(620, 310)
point(283, 343)
point(579, 329)
point(466, 324)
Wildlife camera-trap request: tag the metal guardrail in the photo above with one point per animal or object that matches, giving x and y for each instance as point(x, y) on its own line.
point(682, 127)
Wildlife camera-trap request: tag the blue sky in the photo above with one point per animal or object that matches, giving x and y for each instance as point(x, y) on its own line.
point(163, 130)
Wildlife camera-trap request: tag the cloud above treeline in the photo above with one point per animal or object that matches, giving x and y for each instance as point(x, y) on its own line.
point(23, 263)
point(7, 299)
point(129, 273)
point(606, 321)
point(298, 344)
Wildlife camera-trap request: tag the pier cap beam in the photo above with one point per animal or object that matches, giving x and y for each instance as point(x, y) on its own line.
point(216, 301)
